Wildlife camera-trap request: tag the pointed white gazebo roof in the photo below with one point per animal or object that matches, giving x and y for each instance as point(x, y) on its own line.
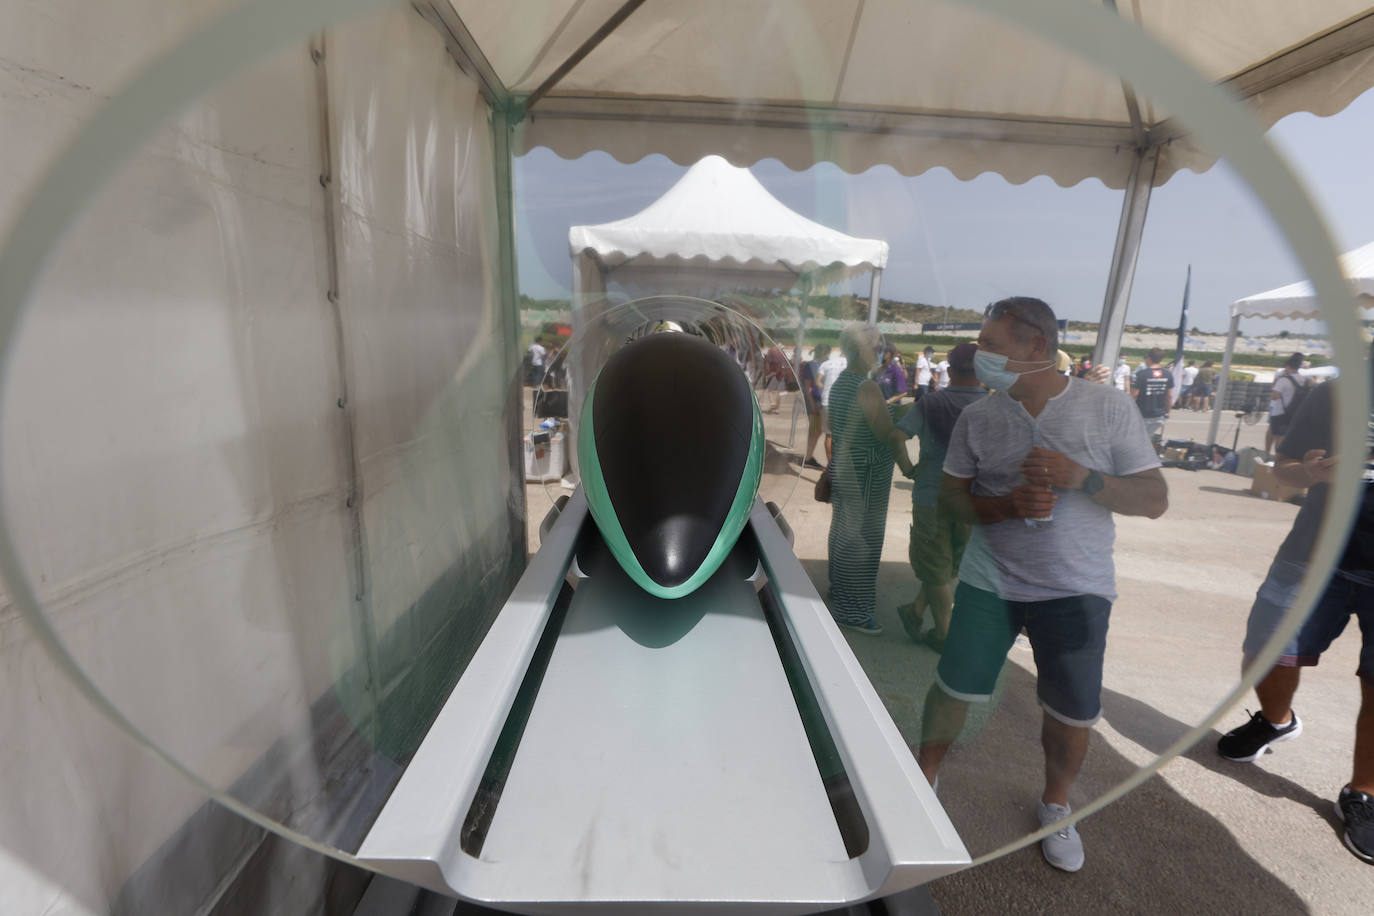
point(718, 212)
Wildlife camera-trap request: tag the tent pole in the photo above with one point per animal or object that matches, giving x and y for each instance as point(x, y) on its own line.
point(600, 35)
point(1223, 380)
point(873, 288)
point(582, 363)
point(508, 299)
point(1129, 232)
point(797, 353)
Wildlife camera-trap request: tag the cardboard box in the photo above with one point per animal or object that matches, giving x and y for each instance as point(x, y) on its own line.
point(1245, 461)
point(1267, 486)
point(1175, 454)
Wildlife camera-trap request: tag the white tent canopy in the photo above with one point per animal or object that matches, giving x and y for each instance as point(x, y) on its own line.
point(720, 213)
point(913, 84)
point(1296, 300)
point(717, 230)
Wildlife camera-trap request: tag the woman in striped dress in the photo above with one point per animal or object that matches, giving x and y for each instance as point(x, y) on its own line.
point(861, 478)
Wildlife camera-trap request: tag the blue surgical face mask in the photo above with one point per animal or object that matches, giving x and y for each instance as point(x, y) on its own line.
point(991, 369)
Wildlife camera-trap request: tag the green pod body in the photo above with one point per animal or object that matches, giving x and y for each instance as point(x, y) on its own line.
point(670, 449)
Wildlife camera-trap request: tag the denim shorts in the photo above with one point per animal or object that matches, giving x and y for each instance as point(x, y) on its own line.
point(1272, 601)
point(1343, 597)
point(1068, 637)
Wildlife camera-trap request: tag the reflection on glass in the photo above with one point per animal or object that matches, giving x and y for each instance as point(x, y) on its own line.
point(1038, 468)
point(602, 329)
point(293, 589)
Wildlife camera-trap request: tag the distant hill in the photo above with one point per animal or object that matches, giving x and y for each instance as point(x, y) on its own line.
point(847, 308)
point(893, 310)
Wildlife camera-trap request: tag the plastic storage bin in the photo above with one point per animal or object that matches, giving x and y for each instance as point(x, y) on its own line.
point(544, 456)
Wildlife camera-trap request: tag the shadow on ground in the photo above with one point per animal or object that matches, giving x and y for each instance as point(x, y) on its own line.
point(1230, 491)
point(1155, 731)
point(1152, 851)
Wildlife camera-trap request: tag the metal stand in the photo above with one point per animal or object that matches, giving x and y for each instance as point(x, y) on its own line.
point(608, 749)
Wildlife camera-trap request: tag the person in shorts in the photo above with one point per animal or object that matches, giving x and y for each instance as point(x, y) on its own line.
point(1305, 459)
point(811, 395)
point(925, 373)
point(1152, 387)
point(774, 380)
point(1202, 387)
point(1038, 467)
point(1281, 398)
point(1189, 374)
point(938, 537)
point(534, 362)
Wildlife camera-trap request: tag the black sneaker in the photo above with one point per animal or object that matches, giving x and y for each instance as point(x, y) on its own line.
point(1356, 811)
point(1251, 740)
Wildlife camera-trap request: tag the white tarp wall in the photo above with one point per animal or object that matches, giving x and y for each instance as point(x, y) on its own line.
point(278, 586)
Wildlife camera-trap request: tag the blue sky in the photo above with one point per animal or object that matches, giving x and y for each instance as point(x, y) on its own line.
point(967, 243)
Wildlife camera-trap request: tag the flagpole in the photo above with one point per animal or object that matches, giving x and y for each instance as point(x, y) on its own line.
point(1182, 335)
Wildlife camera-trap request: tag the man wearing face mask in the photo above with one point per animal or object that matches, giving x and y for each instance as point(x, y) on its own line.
point(1038, 467)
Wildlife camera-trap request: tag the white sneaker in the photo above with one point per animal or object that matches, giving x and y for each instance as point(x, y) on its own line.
point(1064, 848)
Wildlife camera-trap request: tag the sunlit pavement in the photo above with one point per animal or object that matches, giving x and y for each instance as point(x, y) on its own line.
point(1206, 835)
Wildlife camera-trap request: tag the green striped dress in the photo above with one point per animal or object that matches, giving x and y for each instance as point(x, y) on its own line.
point(861, 478)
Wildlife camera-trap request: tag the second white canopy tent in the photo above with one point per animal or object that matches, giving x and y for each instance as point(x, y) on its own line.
point(1296, 300)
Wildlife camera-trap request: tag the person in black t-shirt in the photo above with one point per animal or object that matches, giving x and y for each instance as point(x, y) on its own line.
point(1305, 459)
point(1152, 388)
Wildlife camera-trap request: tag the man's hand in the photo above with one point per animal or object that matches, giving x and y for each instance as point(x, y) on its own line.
point(1031, 501)
point(1319, 468)
point(1047, 468)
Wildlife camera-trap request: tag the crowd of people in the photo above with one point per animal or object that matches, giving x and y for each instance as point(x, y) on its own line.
point(1024, 461)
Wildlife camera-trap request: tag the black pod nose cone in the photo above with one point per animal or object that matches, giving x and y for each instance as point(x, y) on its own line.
point(673, 460)
point(681, 544)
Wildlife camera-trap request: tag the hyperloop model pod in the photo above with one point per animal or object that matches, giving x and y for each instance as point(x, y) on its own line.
point(670, 449)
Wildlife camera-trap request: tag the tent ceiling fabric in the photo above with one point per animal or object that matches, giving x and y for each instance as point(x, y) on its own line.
point(914, 84)
point(1297, 300)
point(720, 212)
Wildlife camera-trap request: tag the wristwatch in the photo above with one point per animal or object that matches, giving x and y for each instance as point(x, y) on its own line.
point(1093, 484)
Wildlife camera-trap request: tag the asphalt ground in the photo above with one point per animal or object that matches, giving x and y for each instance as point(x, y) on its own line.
point(1204, 834)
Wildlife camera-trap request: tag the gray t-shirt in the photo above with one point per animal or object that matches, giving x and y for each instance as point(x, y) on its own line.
point(1095, 425)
